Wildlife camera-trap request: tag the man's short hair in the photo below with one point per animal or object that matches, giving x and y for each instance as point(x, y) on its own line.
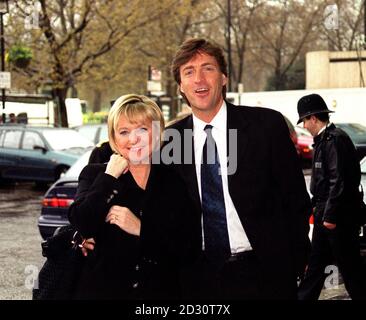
point(189, 49)
point(323, 116)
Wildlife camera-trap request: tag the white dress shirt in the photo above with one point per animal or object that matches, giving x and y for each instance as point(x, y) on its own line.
point(238, 239)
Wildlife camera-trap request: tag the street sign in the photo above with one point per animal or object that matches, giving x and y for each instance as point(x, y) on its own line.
point(153, 86)
point(5, 82)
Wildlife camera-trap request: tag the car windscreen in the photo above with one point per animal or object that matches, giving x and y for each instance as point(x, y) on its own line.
point(88, 132)
point(356, 131)
point(66, 139)
point(76, 168)
point(363, 165)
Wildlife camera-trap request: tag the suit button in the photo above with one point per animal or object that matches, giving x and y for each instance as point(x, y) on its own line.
point(110, 198)
point(135, 285)
point(115, 191)
point(137, 267)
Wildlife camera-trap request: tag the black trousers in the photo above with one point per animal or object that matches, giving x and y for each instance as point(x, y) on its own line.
point(341, 247)
point(234, 280)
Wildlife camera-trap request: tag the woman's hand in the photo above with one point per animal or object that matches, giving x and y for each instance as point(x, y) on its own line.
point(125, 219)
point(116, 166)
point(87, 245)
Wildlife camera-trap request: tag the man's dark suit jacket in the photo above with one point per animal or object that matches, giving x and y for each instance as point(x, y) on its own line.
point(269, 193)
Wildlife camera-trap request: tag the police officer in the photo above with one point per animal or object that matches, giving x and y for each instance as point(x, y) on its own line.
point(334, 185)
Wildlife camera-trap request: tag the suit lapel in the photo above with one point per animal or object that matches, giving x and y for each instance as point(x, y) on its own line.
point(189, 170)
point(236, 152)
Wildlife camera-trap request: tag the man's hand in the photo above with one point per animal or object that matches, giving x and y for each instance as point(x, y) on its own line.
point(329, 225)
point(125, 219)
point(116, 166)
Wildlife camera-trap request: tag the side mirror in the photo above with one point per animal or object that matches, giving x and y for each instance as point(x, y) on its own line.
point(43, 149)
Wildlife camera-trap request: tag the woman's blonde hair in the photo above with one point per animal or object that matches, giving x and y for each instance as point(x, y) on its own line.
point(137, 109)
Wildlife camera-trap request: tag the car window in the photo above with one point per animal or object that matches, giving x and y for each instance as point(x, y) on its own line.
point(88, 132)
point(12, 139)
point(356, 131)
point(103, 134)
point(66, 139)
point(32, 139)
point(76, 168)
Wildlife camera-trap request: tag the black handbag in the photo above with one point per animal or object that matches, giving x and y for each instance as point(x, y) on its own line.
point(59, 275)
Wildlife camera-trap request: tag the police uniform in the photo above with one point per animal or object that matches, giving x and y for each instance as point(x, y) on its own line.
point(334, 186)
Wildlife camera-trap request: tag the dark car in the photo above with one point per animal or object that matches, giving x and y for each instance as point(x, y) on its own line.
point(357, 133)
point(94, 132)
point(39, 154)
point(59, 197)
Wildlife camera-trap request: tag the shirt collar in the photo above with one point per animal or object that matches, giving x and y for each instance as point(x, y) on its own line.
point(218, 122)
point(322, 129)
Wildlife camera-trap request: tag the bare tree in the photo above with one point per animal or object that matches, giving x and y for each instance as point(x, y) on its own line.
point(286, 28)
point(346, 32)
point(74, 34)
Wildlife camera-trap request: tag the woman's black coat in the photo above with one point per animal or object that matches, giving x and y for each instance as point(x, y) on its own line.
point(124, 266)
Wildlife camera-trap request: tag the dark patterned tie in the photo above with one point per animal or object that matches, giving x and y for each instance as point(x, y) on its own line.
point(217, 244)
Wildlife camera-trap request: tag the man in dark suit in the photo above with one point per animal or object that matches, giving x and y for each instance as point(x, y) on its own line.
point(252, 211)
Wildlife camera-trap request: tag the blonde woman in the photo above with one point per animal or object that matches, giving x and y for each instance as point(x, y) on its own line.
point(138, 212)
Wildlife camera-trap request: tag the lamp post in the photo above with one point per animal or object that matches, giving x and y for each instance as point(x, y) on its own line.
point(4, 8)
point(364, 24)
point(229, 42)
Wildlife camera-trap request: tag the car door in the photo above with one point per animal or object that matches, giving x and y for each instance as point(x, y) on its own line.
point(35, 161)
point(9, 153)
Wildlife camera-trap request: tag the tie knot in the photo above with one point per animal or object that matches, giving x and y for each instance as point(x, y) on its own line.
point(208, 128)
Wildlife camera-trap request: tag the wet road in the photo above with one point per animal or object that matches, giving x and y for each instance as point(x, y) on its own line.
point(20, 243)
point(20, 250)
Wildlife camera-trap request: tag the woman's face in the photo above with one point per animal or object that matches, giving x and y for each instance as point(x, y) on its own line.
point(134, 140)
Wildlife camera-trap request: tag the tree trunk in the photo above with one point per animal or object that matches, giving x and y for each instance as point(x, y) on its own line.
point(74, 92)
point(171, 90)
point(97, 101)
point(60, 94)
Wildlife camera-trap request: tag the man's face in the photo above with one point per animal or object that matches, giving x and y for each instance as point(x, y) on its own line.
point(311, 125)
point(202, 83)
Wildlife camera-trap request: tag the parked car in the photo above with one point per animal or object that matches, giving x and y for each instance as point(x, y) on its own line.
point(304, 143)
point(59, 197)
point(357, 133)
point(291, 128)
point(94, 132)
point(39, 154)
